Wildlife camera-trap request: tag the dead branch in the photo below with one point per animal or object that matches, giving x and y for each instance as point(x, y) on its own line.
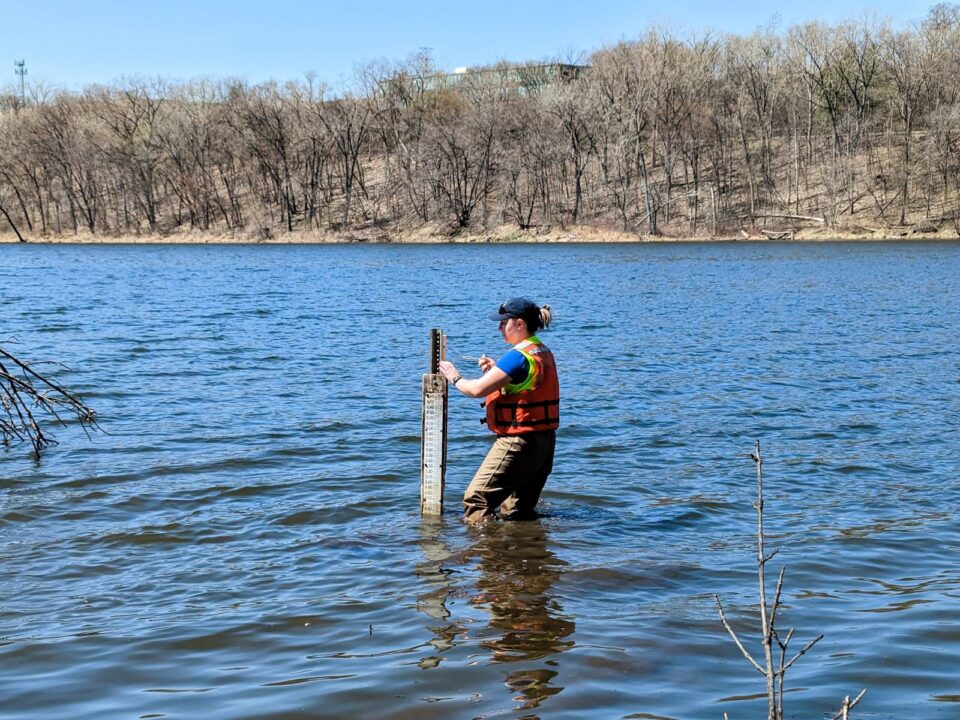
point(766, 626)
point(882, 207)
point(661, 206)
point(23, 392)
point(778, 234)
point(802, 652)
point(811, 218)
point(848, 705)
point(768, 617)
point(736, 639)
point(776, 598)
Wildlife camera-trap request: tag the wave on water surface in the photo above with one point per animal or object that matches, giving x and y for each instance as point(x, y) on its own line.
point(244, 539)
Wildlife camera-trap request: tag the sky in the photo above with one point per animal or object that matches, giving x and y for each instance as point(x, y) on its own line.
point(74, 43)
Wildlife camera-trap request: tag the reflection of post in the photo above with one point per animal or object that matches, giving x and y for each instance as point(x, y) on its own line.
point(435, 555)
point(517, 572)
point(433, 436)
point(440, 584)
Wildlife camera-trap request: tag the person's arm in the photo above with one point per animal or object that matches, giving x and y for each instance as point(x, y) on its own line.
point(492, 379)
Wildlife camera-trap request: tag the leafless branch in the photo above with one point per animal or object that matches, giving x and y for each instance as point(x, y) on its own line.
point(23, 391)
point(768, 617)
point(736, 639)
point(848, 705)
point(776, 598)
point(802, 652)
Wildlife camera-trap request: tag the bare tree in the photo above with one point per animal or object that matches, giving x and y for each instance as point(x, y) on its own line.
point(463, 142)
point(576, 134)
point(621, 88)
point(844, 124)
point(348, 122)
point(192, 137)
point(3, 211)
point(907, 66)
point(130, 116)
point(530, 159)
point(404, 105)
point(756, 69)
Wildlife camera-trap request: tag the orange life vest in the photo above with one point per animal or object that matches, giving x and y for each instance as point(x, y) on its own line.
point(531, 405)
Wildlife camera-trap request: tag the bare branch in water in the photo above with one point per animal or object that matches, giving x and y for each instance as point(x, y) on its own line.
point(774, 674)
point(25, 393)
point(736, 639)
point(848, 705)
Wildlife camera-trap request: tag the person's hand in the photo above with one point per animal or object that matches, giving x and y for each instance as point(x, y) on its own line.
point(485, 363)
point(448, 370)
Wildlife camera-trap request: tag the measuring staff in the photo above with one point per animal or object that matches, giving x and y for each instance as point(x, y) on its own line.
point(523, 409)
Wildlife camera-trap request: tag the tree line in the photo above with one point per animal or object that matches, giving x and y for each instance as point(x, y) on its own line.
point(854, 124)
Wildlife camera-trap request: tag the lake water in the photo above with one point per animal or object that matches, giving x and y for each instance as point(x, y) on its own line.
point(244, 539)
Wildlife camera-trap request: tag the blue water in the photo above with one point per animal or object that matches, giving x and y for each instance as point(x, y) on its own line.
point(243, 540)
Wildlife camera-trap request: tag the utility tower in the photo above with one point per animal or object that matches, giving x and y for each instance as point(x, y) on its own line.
point(21, 70)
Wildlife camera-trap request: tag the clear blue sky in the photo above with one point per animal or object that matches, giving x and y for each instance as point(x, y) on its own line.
point(73, 43)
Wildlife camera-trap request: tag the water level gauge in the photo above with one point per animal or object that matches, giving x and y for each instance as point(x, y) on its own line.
point(433, 437)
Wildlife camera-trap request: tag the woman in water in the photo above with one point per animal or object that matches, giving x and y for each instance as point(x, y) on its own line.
point(523, 408)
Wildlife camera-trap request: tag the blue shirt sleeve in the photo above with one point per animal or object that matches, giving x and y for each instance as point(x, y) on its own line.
point(515, 365)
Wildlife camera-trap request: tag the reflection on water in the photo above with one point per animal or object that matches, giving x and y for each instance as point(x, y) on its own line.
point(517, 573)
point(513, 573)
point(436, 574)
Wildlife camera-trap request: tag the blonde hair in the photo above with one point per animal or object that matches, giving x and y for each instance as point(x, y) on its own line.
point(545, 316)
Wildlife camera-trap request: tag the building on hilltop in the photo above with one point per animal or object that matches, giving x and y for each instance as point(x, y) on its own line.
point(521, 79)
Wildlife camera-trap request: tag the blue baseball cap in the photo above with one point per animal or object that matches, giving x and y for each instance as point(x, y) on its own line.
point(516, 308)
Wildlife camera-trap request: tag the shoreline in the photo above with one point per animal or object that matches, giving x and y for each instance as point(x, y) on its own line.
point(502, 235)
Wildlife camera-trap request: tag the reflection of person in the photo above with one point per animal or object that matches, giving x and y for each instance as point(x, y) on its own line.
point(517, 573)
point(523, 408)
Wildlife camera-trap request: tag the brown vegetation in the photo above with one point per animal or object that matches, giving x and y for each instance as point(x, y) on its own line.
point(831, 130)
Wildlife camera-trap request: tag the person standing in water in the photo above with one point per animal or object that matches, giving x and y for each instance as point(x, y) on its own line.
point(523, 408)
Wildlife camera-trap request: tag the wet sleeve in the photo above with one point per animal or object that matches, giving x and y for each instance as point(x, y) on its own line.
point(515, 365)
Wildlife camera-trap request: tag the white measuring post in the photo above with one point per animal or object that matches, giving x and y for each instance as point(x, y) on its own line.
point(433, 436)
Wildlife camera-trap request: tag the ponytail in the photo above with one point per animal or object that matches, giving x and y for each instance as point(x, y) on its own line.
point(545, 316)
point(538, 318)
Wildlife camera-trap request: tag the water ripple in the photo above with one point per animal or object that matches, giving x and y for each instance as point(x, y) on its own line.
point(244, 540)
